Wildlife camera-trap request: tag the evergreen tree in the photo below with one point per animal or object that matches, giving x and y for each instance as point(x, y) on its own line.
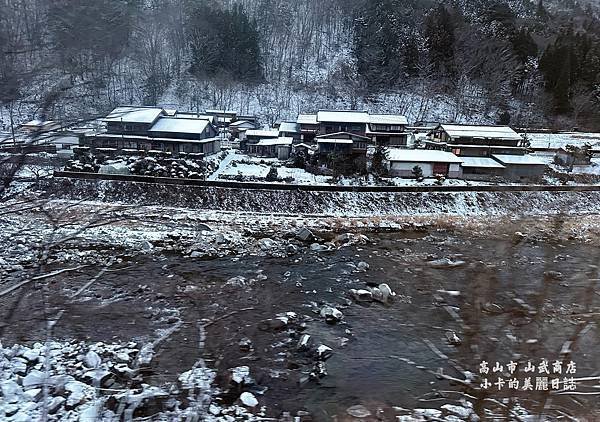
point(224, 42)
point(541, 11)
point(440, 39)
point(378, 161)
point(386, 41)
point(523, 45)
point(417, 171)
point(573, 60)
point(89, 34)
point(504, 118)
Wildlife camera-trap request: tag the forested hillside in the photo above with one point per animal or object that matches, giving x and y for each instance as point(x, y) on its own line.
point(521, 62)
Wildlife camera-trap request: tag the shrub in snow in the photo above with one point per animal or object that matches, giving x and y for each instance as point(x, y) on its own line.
point(272, 175)
point(417, 171)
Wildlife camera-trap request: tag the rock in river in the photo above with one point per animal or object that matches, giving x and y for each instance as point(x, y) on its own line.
point(362, 266)
point(317, 247)
point(446, 263)
point(331, 315)
point(358, 411)
point(361, 295)
point(323, 352)
point(248, 399)
point(240, 374)
point(267, 244)
point(386, 291)
point(304, 235)
point(10, 391)
point(92, 360)
point(34, 379)
point(303, 342)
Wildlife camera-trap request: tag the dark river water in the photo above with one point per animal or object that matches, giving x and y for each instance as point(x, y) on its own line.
point(504, 297)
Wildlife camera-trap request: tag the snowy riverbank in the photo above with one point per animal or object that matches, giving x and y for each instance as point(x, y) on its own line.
point(348, 204)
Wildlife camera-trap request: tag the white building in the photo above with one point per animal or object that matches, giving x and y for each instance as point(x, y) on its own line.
point(401, 163)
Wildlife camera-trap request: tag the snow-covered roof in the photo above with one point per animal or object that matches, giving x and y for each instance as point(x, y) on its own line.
point(38, 123)
point(303, 145)
point(343, 116)
point(335, 141)
point(518, 159)
point(481, 162)
point(242, 122)
point(486, 132)
point(289, 127)
point(131, 114)
point(263, 133)
point(276, 141)
point(422, 156)
point(64, 139)
point(388, 119)
point(187, 115)
point(169, 124)
point(307, 119)
point(231, 112)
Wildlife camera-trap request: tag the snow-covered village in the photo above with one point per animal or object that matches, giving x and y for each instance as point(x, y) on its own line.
point(297, 211)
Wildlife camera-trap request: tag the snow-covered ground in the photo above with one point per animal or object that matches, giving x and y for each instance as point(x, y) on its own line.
point(400, 181)
point(561, 140)
point(546, 157)
point(301, 176)
point(593, 168)
point(239, 164)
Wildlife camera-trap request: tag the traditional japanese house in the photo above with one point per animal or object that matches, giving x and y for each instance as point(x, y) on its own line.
point(150, 129)
point(272, 147)
point(476, 141)
point(342, 121)
point(388, 129)
point(309, 127)
point(238, 128)
point(338, 146)
point(254, 136)
point(248, 118)
point(224, 117)
point(290, 130)
point(384, 129)
point(132, 120)
point(195, 129)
